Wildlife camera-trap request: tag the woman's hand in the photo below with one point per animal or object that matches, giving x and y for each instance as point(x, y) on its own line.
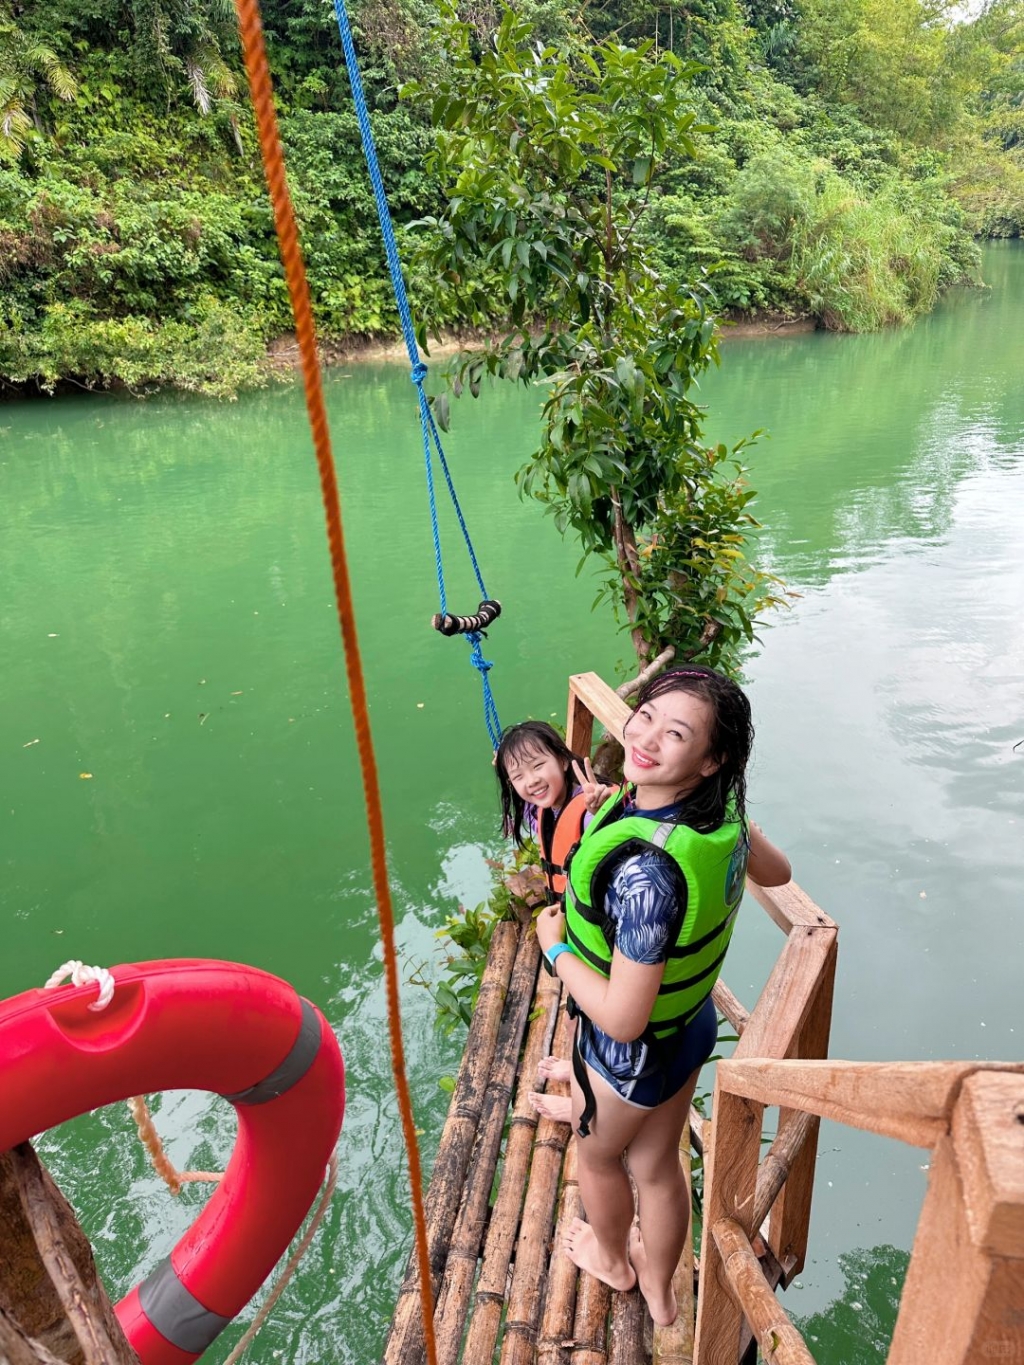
point(595, 793)
point(550, 925)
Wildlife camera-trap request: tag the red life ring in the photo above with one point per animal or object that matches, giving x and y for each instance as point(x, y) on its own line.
point(197, 1025)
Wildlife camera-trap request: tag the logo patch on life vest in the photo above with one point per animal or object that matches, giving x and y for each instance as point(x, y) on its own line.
point(736, 876)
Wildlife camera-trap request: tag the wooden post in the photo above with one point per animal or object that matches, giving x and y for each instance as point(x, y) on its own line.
point(53, 1300)
point(791, 1213)
point(963, 1299)
point(730, 1164)
point(579, 726)
point(405, 1338)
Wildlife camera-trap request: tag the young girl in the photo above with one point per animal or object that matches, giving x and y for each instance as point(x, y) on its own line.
point(652, 895)
point(539, 798)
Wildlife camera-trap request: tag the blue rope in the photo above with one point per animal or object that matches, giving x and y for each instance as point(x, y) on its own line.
point(418, 374)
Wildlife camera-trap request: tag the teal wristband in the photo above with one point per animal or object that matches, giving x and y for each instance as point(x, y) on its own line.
point(555, 950)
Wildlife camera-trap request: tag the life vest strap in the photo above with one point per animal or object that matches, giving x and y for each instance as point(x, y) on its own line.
point(688, 950)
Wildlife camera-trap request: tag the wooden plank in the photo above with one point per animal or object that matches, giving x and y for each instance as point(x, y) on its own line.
point(960, 1304)
point(791, 1214)
point(789, 906)
point(988, 1135)
point(780, 1342)
point(730, 1172)
point(405, 1338)
point(912, 1101)
point(526, 1295)
point(464, 1252)
point(785, 1003)
point(674, 1345)
point(491, 1286)
point(601, 701)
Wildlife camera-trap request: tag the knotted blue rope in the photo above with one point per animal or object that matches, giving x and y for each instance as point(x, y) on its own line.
point(418, 373)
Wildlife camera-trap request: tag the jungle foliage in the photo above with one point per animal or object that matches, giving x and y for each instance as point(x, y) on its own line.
point(853, 149)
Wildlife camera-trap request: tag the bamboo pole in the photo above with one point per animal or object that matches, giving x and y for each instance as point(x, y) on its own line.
point(492, 1284)
point(66, 1257)
point(464, 1252)
point(777, 1162)
point(405, 1338)
point(560, 1298)
point(627, 1328)
point(726, 1003)
point(534, 1244)
point(590, 1329)
point(780, 1342)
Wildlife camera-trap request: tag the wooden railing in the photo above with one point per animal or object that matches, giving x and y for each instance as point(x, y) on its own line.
point(963, 1298)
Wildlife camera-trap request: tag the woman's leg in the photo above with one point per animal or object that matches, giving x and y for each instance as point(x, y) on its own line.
point(599, 1246)
point(655, 1166)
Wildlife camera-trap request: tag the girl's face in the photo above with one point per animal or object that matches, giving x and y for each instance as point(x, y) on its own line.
point(538, 776)
point(667, 751)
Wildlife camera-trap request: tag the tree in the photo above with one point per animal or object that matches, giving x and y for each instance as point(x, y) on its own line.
point(546, 161)
point(25, 65)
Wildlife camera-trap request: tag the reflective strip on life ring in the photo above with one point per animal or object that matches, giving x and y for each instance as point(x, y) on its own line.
point(198, 1025)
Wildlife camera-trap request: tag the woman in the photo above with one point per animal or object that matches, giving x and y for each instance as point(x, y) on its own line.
point(654, 887)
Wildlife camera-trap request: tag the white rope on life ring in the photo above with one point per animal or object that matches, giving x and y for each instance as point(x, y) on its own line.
point(81, 975)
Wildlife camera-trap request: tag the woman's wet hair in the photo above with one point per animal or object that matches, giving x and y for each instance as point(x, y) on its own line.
point(517, 741)
point(730, 740)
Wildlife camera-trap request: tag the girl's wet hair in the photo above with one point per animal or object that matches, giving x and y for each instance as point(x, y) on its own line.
point(730, 740)
point(516, 742)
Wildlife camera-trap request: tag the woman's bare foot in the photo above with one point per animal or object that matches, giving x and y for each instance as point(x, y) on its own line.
point(584, 1250)
point(553, 1069)
point(663, 1308)
point(556, 1107)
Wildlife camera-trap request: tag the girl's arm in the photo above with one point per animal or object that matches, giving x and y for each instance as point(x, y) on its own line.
point(620, 1005)
point(768, 865)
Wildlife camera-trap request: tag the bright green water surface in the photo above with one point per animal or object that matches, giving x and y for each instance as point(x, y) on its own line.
point(167, 627)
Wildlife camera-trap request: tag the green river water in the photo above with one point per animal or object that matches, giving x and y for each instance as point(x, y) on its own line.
point(167, 626)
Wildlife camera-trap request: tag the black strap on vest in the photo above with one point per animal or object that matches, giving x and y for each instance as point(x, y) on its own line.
point(579, 1070)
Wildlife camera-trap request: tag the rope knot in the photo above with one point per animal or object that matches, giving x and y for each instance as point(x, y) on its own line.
point(476, 657)
point(418, 373)
point(81, 975)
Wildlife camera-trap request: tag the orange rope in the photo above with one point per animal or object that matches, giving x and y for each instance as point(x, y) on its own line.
point(291, 256)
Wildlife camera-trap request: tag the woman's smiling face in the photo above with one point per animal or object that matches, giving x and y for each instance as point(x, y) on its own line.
point(667, 747)
point(538, 776)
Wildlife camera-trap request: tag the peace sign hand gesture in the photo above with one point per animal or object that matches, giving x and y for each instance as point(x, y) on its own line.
point(595, 793)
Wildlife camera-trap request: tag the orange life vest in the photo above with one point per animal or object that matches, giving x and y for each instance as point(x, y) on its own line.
point(556, 835)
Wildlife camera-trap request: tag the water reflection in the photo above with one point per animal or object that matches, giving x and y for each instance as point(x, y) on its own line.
point(857, 1326)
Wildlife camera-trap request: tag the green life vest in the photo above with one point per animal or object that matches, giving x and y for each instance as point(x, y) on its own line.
point(714, 867)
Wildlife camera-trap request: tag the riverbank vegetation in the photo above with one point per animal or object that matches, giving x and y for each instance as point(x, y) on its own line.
point(846, 153)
